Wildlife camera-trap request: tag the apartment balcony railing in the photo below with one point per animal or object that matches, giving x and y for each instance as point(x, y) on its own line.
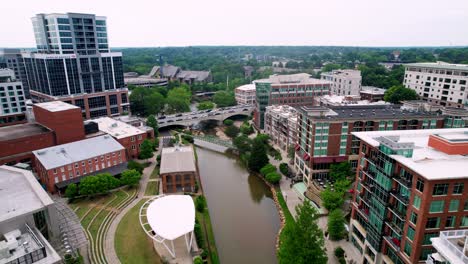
point(403, 199)
point(404, 182)
point(398, 213)
point(396, 228)
point(393, 242)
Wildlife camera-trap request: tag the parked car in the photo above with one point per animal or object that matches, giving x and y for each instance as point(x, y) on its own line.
point(178, 115)
point(161, 117)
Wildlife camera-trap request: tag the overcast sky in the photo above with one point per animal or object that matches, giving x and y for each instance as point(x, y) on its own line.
point(150, 23)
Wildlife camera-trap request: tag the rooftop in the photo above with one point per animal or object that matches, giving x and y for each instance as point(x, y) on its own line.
point(351, 100)
point(299, 78)
point(246, 87)
point(428, 162)
point(61, 155)
point(451, 246)
point(360, 112)
point(177, 159)
point(350, 72)
point(283, 111)
point(372, 90)
point(439, 65)
point(56, 106)
point(21, 131)
point(117, 129)
point(20, 193)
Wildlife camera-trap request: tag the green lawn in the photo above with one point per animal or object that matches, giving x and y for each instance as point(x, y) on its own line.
point(131, 243)
point(205, 223)
point(152, 188)
point(155, 173)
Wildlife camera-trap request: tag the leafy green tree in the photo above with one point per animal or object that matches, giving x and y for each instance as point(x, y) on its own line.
point(399, 93)
point(264, 138)
point(258, 157)
point(283, 167)
point(303, 241)
point(130, 177)
point(273, 177)
point(336, 222)
point(242, 143)
point(133, 165)
point(153, 123)
point(231, 131)
point(205, 105)
point(146, 101)
point(154, 103)
point(246, 129)
point(200, 203)
point(146, 149)
point(228, 122)
point(331, 199)
point(97, 184)
point(340, 171)
point(72, 191)
point(223, 99)
point(178, 100)
point(269, 168)
point(342, 185)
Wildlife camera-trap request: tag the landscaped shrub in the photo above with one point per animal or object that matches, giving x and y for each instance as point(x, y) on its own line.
point(267, 169)
point(188, 138)
point(133, 165)
point(200, 203)
point(228, 122)
point(198, 233)
point(339, 252)
point(72, 191)
point(273, 177)
point(283, 167)
point(197, 260)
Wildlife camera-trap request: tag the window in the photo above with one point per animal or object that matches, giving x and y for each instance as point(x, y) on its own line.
point(414, 218)
point(77, 173)
point(64, 178)
point(102, 157)
point(90, 161)
point(428, 236)
point(417, 202)
point(82, 163)
point(440, 189)
point(465, 208)
point(69, 167)
point(407, 248)
point(436, 207)
point(458, 188)
point(133, 147)
point(62, 169)
point(132, 139)
point(464, 221)
point(55, 171)
point(113, 154)
point(454, 204)
point(410, 233)
point(56, 179)
point(450, 222)
point(139, 137)
point(420, 185)
point(107, 156)
point(433, 222)
point(76, 165)
point(425, 252)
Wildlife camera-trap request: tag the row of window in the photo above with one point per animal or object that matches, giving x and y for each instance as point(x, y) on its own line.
point(90, 161)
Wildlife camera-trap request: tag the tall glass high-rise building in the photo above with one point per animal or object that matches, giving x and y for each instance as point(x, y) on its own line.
point(73, 63)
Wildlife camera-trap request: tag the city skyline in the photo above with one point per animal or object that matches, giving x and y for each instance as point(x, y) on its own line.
point(331, 23)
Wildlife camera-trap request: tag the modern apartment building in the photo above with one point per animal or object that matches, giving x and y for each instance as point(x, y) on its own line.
point(12, 59)
point(439, 82)
point(281, 125)
point(345, 82)
point(410, 190)
point(28, 219)
point(245, 94)
point(324, 133)
point(61, 165)
point(74, 64)
point(178, 171)
point(293, 90)
point(12, 99)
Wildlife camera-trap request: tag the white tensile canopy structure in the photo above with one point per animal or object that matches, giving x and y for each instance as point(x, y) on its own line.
point(168, 217)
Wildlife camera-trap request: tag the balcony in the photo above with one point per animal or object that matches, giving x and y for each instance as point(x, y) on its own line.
point(402, 199)
point(404, 182)
point(393, 242)
point(396, 228)
point(452, 246)
point(400, 214)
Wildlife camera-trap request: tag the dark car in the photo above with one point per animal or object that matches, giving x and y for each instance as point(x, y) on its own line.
point(232, 111)
point(209, 110)
point(161, 117)
point(178, 115)
point(169, 121)
point(217, 113)
point(245, 109)
point(195, 117)
point(179, 120)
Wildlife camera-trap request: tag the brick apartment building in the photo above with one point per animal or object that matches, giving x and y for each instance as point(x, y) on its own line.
point(281, 125)
point(410, 187)
point(61, 165)
point(293, 90)
point(178, 170)
point(129, 136)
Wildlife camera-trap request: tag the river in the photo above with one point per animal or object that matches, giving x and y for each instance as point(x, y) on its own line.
point(244, 217)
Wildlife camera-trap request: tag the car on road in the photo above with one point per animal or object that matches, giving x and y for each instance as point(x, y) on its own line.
point(217, 113)
point(211, 114)
point(179, 119)
point(207, 111)
point(195, 117)
point(169, 121)
point(178, 115)
point(161, 117)
point(245, 109)
point(232, 111)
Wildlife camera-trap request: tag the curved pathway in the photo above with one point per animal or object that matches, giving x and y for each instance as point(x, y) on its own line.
point(109, 248)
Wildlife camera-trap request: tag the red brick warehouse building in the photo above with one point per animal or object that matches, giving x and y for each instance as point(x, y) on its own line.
point(410, 186)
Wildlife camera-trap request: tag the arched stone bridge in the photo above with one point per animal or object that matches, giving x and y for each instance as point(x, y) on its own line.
point(191, 118)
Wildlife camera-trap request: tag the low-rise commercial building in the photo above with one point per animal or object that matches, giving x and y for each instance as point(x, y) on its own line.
point(372, 94)
point(345, 82)
point(28, 219)
point(60, 165)
point(409, 194)
point(293, 90)
point(245, 94)
point(129, 136)
point(178, 171)
point(281, 125)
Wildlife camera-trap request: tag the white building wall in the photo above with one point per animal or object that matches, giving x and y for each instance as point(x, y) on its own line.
point(345, 82)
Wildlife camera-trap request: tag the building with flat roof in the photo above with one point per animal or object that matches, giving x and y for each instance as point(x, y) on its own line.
point(346, 100)
point(128, 135)
point(178, 170)
point(439, 82)
point(409, 190)
point(281, 125)
point(345, 82)
point(28, 218)
point(12, 99)
point(11, 59)
point(451, 247)
point(245, 94)
point(61, 165)
point(372, 94)
point(293, 90)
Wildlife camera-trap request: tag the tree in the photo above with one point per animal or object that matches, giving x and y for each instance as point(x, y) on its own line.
point(153, 123)
point(205, 105)
point(200, 203)
point(146, 101)
point(146, 149)
point(336, 225)
point(133, 165)
point(178, 100)
point(100, 183)
point(399, 93)
point(283, 167)
point(228, 122)
point(269, 168)
point(264, 138)
point(303, 241)
point(223, 99)
point(340, 171)
point(246, 129)
point(130, 178)
point(331, 199)
point(258, 157)
point(273, 177)
point(231, 131)
point(72, 191)
point(242, 143)
point(342, 186)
